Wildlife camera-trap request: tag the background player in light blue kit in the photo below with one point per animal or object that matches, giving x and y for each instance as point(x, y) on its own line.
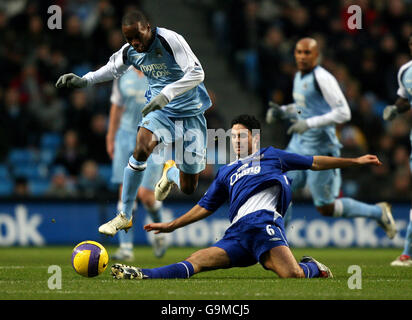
point(319, 105)
point(177, 101)
point(403, 104)
point(127, 100)
point(259, 194)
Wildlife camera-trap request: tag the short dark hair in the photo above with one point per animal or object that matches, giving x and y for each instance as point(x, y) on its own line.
point(134, 16)
point(250, 122)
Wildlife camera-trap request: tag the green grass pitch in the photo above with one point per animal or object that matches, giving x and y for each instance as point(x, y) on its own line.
point(24, 276)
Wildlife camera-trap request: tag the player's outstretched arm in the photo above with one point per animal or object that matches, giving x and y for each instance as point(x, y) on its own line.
point(195, 214)
point(325, 162)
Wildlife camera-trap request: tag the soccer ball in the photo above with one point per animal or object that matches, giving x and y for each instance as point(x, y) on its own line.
point(89, 258)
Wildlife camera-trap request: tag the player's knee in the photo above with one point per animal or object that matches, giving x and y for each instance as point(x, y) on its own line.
point(141, 152)
point(146, 196)
point(326, 210)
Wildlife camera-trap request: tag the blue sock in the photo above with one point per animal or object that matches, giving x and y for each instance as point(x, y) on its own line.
point(350, 208)
point(173, 174)
point(408, 239)
point(310, 269)
point(180, 270)
point(133, 174)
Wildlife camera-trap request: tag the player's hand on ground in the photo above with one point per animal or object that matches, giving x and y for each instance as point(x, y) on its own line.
point(390, 112)
point(160, 227)
point(298, 126)
point(157, 103)
point(70, 80)
point(369, 159)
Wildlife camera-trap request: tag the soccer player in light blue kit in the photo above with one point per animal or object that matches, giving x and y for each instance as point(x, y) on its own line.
point(259, 193)
point(175, 111)
point(319, 105)
point(127, 100)
point(403, 104)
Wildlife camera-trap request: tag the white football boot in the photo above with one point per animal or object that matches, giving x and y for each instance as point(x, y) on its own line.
point(164, 186)
point(159, 245)
point(402, 261)
point(121, 271)
point(120, 222)
point(387, 222)
point(324, 271)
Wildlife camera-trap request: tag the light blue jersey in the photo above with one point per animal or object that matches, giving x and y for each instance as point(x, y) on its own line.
point(319, 100)
point(164, 64)
point(405, 90)
point(129, 93)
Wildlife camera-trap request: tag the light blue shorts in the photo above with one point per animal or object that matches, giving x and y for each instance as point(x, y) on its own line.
point(125, 142)
point(181, 139)
point(324, 185)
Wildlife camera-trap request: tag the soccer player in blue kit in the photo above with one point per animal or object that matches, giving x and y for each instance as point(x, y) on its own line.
point(177, 99)
point(319, 105)
point(127, 101)
point(403, 104)
point(259, 194)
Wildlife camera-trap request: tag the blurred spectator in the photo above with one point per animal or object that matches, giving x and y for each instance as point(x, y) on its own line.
point(96, 139)
point(72, 154)
point(61, 186)
point(21, 188)
point(90, 184)
point(78, 113)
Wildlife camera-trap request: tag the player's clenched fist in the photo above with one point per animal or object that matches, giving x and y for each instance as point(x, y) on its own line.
point(70, 80)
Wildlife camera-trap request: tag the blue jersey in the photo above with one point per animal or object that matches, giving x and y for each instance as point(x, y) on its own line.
point(129, 92)
point(319, 100)
point(165, 64)
point(240, 180)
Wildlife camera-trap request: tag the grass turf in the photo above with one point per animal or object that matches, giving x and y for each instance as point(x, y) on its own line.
point(24, 276)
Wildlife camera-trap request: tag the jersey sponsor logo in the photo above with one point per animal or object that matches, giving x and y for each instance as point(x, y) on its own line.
point(155, 70)
point(248, 171)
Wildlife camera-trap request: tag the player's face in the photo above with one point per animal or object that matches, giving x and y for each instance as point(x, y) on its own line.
point(242, 141)
point(138, 35)
point(306, 57)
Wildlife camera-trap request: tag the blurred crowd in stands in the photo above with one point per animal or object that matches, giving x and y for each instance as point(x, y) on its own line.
point(258, 39)
point(52, 142)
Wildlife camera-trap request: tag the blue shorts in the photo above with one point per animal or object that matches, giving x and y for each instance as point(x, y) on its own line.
point(183, 139)
point(324, 185)
point(124, 145)
point(249, 238)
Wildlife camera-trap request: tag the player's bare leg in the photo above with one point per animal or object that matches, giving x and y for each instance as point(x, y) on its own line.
point(209, 259)
point(186, 182)
point(281, 261)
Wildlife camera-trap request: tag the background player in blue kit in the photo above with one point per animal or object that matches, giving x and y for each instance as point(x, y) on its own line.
point(319, 105)
point(403, 104)
point(259, 194)
point(127, 100)
point(177, 101)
